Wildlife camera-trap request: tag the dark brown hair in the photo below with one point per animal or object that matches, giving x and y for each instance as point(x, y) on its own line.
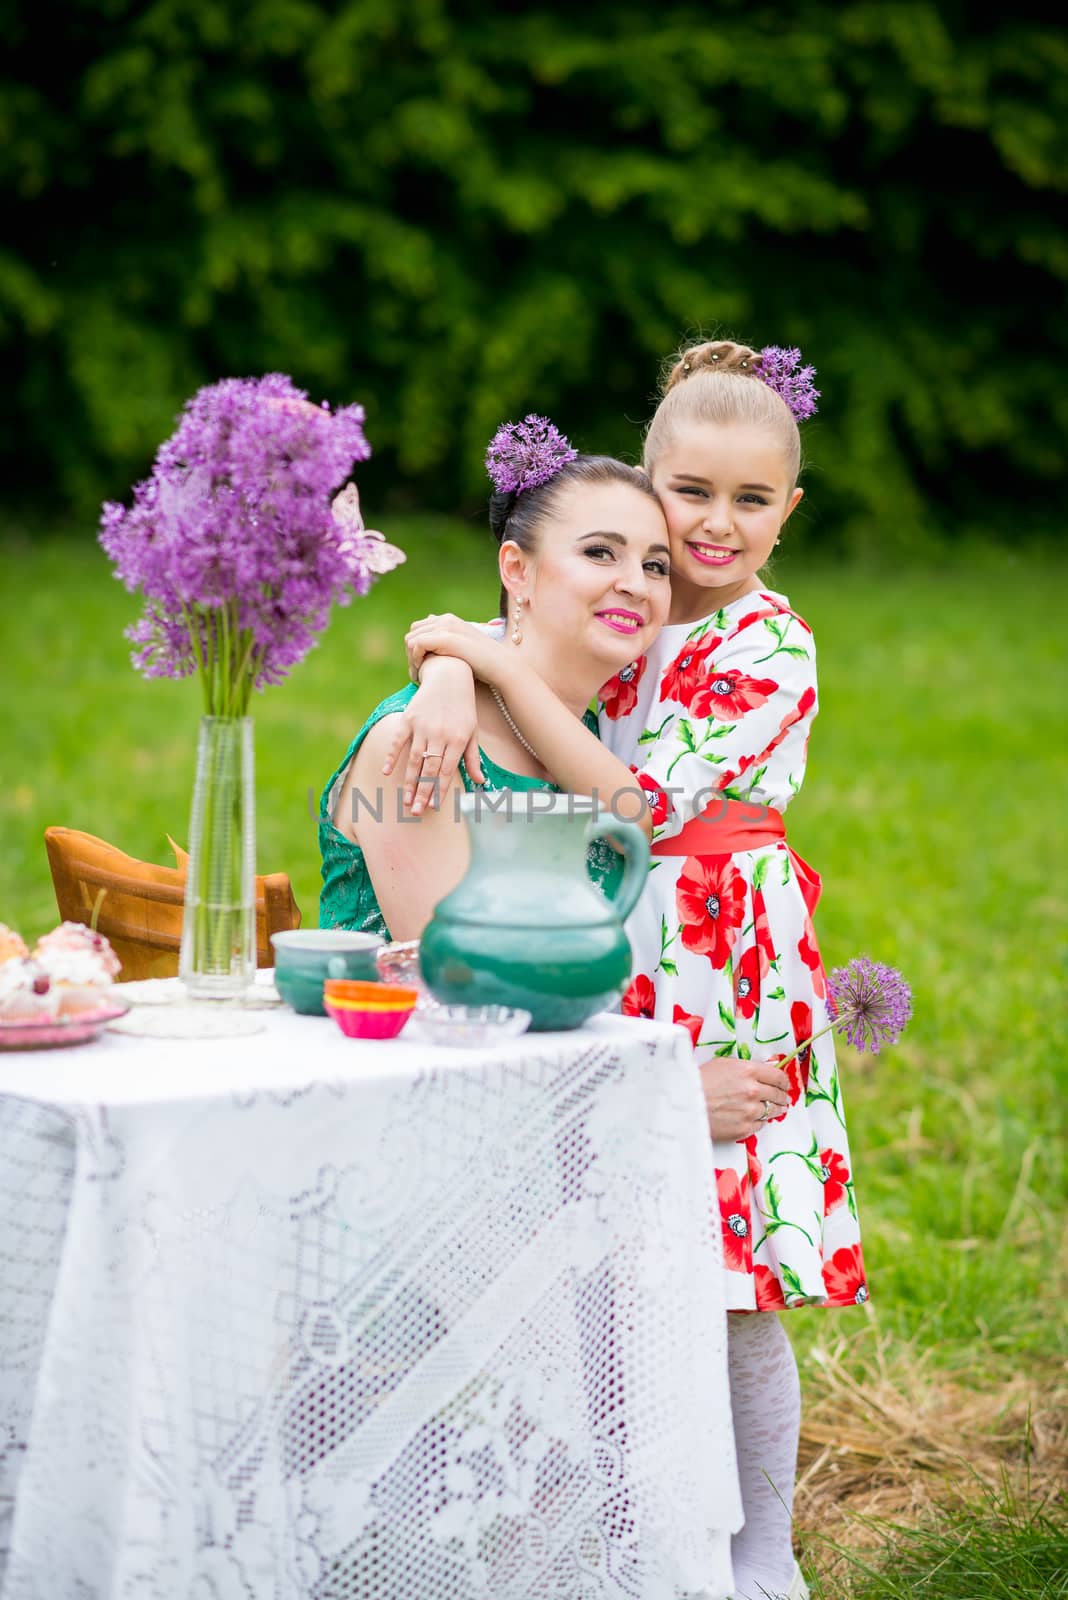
point(520, 517)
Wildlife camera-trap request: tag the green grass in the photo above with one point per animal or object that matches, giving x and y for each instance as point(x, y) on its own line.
point(929, 808)
point(1005, 1547)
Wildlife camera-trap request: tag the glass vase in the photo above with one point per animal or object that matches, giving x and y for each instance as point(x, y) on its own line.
point(218, 952)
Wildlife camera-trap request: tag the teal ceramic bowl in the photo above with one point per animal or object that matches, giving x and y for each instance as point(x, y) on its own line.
point(305, 957)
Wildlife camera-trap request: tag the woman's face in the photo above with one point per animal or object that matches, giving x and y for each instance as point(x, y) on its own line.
point(599, 581)
point(726, 493)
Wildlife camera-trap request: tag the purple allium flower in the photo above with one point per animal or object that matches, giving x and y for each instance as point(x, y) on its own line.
point(870, 1002)
point(782, 371)
point(232, 540)
point(523, 454)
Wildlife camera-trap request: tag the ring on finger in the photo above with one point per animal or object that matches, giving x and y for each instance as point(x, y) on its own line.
point(767, 1111)
point(435, 755)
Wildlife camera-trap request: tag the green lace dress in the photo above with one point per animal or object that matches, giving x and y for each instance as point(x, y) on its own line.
point(347, 898)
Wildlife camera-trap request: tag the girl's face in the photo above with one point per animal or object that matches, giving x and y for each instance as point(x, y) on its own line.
point(598, 585)
point(726, 493)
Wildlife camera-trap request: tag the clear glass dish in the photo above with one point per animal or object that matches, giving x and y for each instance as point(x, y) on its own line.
point(469, 1025)
point(399, 963)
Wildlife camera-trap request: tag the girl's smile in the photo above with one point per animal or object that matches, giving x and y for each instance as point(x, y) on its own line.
point(714, 555)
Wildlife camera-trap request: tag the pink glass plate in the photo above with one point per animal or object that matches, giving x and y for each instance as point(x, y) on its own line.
point(44, 1033)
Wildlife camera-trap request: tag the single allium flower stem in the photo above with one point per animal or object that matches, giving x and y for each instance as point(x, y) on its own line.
point(805, 1044)
point(241, 681)
point(225, 675)
point(208, 619)
point(871, 1005)
point(192, 627)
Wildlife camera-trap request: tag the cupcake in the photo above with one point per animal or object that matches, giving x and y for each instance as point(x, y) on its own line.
point(12, 944)
point(81, 964)
point(27, 993)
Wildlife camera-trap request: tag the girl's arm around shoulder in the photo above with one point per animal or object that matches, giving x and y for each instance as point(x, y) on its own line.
point(413, 861)
point(440, 719)
point(726, 704)
point(437, 728)
point(575, 757)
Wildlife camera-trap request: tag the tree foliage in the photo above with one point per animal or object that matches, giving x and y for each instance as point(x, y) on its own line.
point(457, 212)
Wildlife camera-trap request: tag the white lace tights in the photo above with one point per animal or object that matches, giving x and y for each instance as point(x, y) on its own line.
point(766, 1403)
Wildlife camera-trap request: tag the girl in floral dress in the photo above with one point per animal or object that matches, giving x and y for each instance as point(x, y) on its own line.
point(714, 721)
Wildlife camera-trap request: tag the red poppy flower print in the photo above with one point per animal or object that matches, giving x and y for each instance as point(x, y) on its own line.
point(808, 950)
point(844, 1277)
point(796, 1077)
point(693, 1024)
point(799, 1067)
point(735, 1220)
point(747, 983)
point(727, 696)
point(710, 899)
point(762, 929)
point(769, 1295)
point(659, 802)
point(801, 1021)
point(640, 998)
point(835, 1180)
point(804, 705)
point(686, 673)
point(752, 1160)
point(619, 695)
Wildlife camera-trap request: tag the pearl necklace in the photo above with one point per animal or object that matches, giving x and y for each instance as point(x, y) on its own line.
point(506, 714)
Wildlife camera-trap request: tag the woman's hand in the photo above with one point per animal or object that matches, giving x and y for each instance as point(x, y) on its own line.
point(449, 635)
point(437, 727)
point(740, 1096)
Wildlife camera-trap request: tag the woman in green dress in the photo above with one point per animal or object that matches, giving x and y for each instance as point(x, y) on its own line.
point(584, 565)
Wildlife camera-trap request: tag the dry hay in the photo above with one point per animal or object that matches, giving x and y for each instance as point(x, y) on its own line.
point(893, 1441)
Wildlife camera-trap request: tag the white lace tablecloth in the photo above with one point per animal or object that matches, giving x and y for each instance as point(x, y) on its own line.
point(296, 1316)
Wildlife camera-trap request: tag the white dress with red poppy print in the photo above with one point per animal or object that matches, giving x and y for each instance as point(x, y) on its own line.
point(723, 944)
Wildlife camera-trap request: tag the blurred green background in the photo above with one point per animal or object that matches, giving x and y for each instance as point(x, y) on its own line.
point(454, 212)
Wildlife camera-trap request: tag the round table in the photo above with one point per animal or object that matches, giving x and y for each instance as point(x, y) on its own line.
point(295, 1315)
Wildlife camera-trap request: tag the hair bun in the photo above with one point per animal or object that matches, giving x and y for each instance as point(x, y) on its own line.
point(718, 355)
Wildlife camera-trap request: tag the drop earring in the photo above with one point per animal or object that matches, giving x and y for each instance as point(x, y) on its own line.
point(517, 632)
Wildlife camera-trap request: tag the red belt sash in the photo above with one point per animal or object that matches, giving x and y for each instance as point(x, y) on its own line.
point(727, 826)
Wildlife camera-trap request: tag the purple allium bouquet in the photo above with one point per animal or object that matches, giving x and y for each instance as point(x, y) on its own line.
point(239, 552)
point(233, 541)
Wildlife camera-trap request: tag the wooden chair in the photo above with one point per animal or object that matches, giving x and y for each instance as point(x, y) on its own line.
point(141, 909)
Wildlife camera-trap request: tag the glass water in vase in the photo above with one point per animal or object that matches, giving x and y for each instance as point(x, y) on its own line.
point(218, 951)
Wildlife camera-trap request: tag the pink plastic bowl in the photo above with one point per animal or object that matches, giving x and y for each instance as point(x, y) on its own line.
point(376, 1024)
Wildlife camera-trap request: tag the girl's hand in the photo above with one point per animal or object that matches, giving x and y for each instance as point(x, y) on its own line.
point(415, 655)
point(448, 635)
point(437, 727)
point(738, 1095)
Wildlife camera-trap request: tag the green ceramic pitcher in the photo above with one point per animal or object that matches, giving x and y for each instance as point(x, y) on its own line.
point(526, 926)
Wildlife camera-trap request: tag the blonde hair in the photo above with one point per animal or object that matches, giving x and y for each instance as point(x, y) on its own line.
point(718, 382)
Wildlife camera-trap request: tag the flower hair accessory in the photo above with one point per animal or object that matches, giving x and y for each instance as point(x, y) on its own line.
point(521, 455)
point(782, 371)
